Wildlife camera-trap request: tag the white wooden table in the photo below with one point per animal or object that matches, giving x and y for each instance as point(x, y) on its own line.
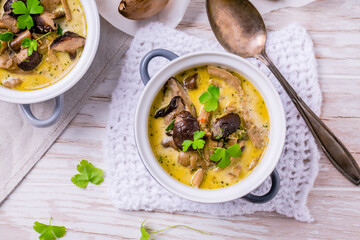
point(88, 214)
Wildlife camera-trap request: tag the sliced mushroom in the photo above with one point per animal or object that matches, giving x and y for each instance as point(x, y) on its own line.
point(185, 126)
point(197, 178)
point(190, 82)
point(50, 5)
point(7, 61)
point(225, 125)
point(236, 170)
point(11, 82)
point(69, 42)
point(255, 133)
point(67, 10)
point(253, 163)
point(204, 119)
point(28, 63)
point(227, 77)
point(59, 14)
point(162, 112)
point(10, 23)
point(16, 43)
point(44, 23)
point(3, 46)
point(177, 90)
point(168, 142)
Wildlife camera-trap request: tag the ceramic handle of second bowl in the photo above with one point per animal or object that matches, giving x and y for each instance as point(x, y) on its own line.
point(144, 64)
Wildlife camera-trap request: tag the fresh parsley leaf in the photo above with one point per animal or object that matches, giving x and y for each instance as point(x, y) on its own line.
point(171, 126)
point(222, 155)
point(6, 36)
point(198, 142)
point(145, 235)
point(59, 30)
point(49, 232)
point(88, 173)
point(30, 44)
point(34, 6)
point(25, 11)
point(210, 98)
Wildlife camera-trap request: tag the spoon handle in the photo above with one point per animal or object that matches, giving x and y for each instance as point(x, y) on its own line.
point(330, 144)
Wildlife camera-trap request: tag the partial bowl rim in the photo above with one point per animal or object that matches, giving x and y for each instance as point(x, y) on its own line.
point(75, 74)
point(277, 133)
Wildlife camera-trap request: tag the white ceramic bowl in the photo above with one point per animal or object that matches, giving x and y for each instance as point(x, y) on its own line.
point(87, 56)
point(276, 135)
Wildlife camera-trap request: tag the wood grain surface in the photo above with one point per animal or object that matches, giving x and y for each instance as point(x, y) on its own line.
point(88, 214)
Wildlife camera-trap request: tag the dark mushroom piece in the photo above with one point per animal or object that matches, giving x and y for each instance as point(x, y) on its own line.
point(16, 43)
point(44, 23)
point(162, 112)
point(190, 82)
point(69, 42)
point(28, 63)
point(225, 125)
point(185, 126)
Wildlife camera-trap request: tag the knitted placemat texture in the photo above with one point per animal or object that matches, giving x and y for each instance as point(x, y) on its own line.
point(130, 185)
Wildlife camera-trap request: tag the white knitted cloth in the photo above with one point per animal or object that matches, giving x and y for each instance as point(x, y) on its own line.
point(130, 185)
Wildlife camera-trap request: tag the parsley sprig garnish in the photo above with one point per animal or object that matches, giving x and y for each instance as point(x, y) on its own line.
point(198, 142)
point(6, 37)
point(145, 235)
point(31, 44)
point(25, 11)
point(210, 98)
point(222, 155)
point(49, 232)
point(88, 173)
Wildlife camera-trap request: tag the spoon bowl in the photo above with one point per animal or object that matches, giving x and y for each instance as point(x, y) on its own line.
point(240, 29)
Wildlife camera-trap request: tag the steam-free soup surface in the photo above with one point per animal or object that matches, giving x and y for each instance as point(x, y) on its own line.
point(243, 101)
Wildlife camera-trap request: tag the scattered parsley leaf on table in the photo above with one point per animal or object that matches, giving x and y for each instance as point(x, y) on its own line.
point(49, 232)
point(222, 155)
point(25, 11)
point(210, 98)
point(198, 142)
point(145, 235)
point(88, 173)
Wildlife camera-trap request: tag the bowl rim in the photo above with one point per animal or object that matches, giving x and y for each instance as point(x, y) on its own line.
point(271, 154)
point(74, 75)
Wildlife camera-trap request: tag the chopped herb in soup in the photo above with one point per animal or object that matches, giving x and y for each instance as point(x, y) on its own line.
point(40, 41)
point(208, 127)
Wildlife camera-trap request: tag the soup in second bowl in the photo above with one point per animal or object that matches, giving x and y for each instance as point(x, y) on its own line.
point(41, 50)
point(208, 127)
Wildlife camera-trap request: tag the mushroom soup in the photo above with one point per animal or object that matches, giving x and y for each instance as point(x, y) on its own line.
point(208, 127)
point(40, 51)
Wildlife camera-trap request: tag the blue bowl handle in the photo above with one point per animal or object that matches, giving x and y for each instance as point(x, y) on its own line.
point(59, 104)
point(144, 64)
point(275, 185)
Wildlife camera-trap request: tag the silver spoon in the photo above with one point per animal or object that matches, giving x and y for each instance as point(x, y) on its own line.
point(240, 29)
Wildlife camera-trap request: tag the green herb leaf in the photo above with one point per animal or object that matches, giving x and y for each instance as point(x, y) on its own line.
point(145, 235)
point(198, 142)
point(171, 126)
point(49, 232)
point(222, 155)
point(88, 173)
point(19, 7)
point(6, 36)
point(210, 98)
point(59, 30)
point(186, 144)
point(32, 7)
point(30, 44)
